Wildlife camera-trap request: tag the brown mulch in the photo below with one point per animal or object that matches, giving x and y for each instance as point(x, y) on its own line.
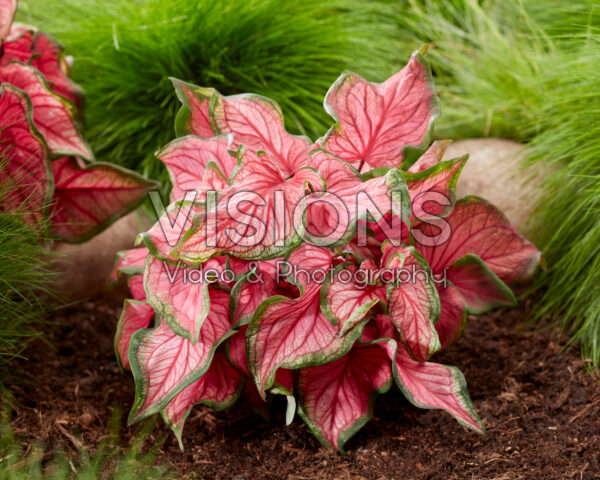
point(540, 407)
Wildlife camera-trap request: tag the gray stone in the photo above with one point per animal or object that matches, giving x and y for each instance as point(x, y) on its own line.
point(85, 268)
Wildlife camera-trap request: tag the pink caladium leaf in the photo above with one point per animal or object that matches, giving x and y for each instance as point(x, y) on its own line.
point(453, 315)
point(219, 388)
point(26, 169)
point(47, 57)
point(477, 227)
point(53, 115)
point(136, 287)
point(256, 218)
point(7, 12)
point(333, 217)
point(180, 294)
point(257, 123)
point(376, 122)
point(431, 157)
point(130, 262)
point(191, 160)
point(135, 316)
point(164, 363)
point(180, 297)
point(432, 385)
point(336, 399)
point(432, 191)
point(193, 117)
point(346, 303)
point(479, 286)
point(87, 200)
point(427, 384)
point(26, 44)
point(413, 301)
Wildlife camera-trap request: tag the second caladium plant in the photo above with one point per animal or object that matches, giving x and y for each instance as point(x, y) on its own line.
point(43, 155)
point(325, 271)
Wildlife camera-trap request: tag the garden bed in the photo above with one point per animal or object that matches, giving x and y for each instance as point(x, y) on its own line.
point(539, 407)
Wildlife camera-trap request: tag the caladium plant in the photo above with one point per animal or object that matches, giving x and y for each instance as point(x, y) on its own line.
point(45, 158)
point(322, 271)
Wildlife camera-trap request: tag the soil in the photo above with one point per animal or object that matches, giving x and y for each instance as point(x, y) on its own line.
point(539, 405)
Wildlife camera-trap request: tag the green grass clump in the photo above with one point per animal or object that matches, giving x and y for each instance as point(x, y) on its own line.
point(24, 286)
point(529, 70)
point(291, 51)
point(107, 461)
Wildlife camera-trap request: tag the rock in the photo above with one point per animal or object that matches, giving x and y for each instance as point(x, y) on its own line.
point(85, 268)
point(495, 172)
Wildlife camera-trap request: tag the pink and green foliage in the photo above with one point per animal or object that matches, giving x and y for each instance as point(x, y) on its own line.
point(365, 268)
point(44, 155)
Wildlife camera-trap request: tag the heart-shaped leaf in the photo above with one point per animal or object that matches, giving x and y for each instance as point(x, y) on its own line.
point(429, 385)
point(376, 122)
point(164, 363)
point(26, 172)
point(188, 158)
point(179, 295)
point(193, 115)
point(432, 385)
point(336, 399)
point(27, 45)
point(87, 200)
point(453, 315)
point(479, 286)
point(477, 227)
point(257, 123)
point(346, 303)
point(413, 301)
point(53, 115)
point(135, 316)
point(219, 388)
point(432, 191)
